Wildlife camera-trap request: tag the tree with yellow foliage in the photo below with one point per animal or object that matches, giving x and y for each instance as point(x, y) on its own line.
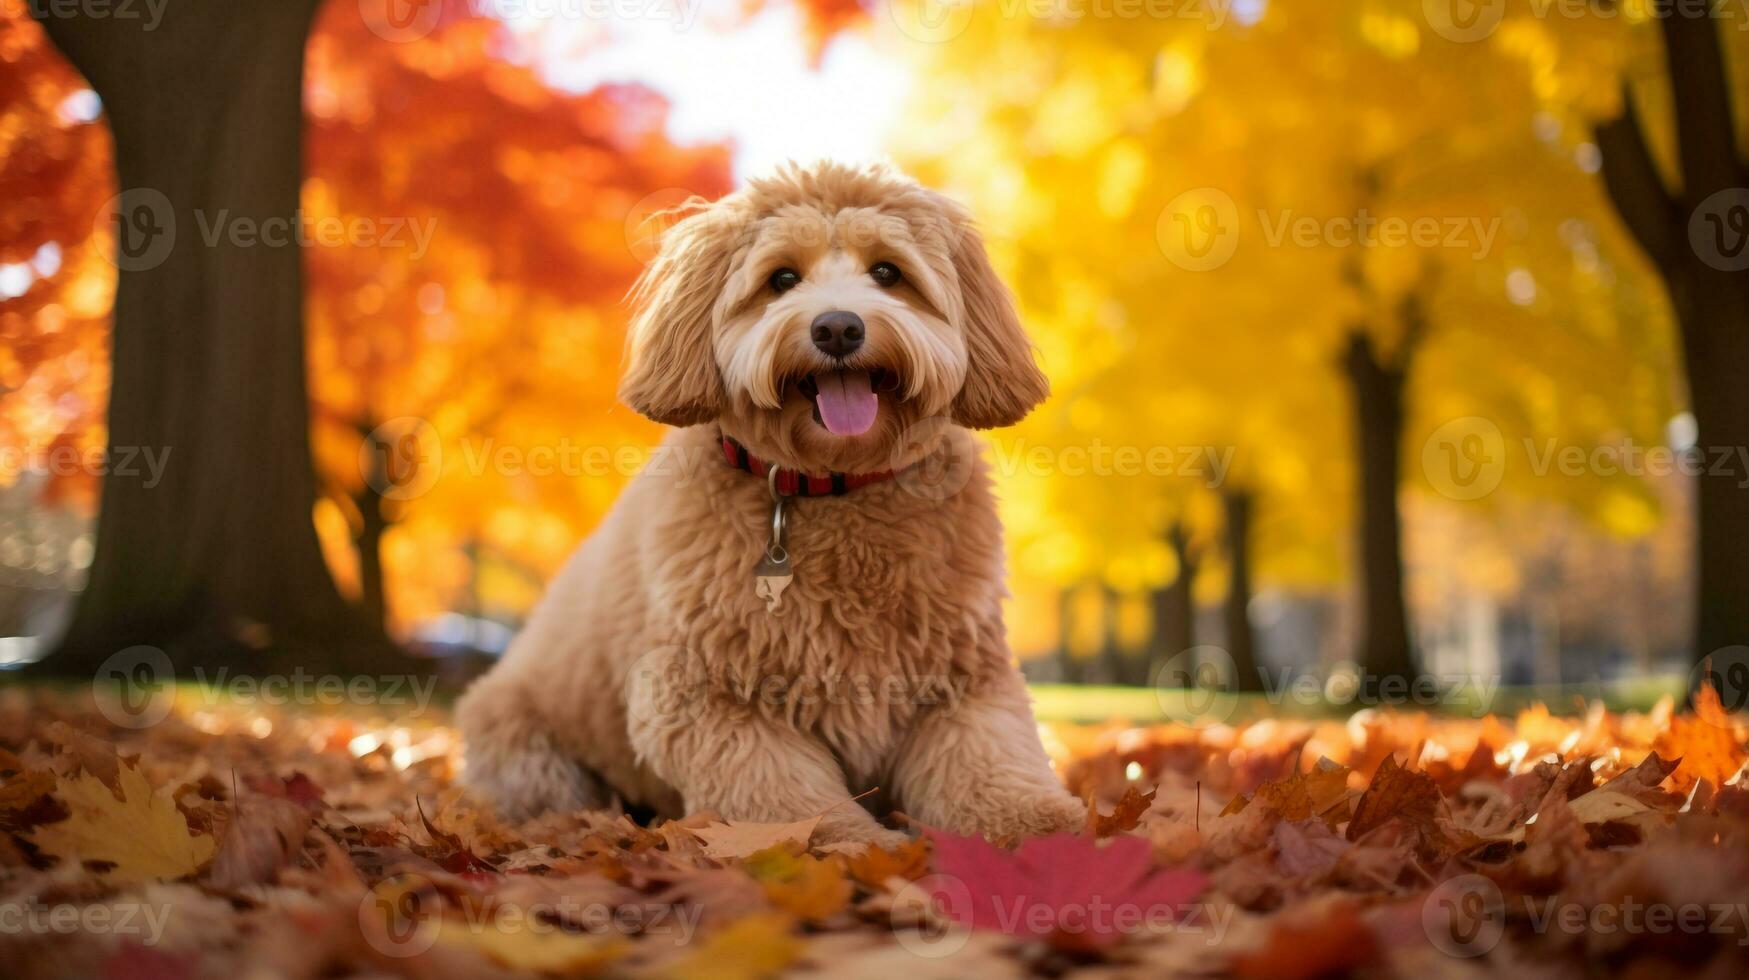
point(1218, 231)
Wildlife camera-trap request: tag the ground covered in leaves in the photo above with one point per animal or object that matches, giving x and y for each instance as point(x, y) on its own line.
point(233, 840)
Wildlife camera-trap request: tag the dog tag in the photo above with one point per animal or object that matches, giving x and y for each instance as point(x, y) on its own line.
point(771, 576)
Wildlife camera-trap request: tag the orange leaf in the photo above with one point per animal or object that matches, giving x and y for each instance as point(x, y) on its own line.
point(1333, 944)
point(1704, 743)
point(877, 865)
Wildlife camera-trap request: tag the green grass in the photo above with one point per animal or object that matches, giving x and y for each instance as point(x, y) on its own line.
point(1144, 705)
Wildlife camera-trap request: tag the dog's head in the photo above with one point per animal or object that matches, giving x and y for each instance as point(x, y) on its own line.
point(818, 315)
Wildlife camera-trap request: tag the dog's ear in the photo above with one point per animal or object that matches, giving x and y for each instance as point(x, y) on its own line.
point(1003, 381)
point(671, 370)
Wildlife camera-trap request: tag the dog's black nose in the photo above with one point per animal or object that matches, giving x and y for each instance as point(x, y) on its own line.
point(838, 333)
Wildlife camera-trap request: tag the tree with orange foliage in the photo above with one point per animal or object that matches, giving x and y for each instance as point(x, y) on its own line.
point(493, 318)
point(55, 276)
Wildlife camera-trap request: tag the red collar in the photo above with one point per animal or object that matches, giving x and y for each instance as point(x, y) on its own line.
point(792, 483)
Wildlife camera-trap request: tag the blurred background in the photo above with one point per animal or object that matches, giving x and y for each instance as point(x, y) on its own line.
point(1386, 336)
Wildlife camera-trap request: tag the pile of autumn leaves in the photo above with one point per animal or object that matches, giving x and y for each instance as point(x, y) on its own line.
point(228, 841)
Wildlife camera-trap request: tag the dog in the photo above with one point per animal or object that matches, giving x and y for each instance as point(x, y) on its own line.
point(811, 610)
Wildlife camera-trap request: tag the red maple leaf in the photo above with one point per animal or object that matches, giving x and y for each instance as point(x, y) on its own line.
point(1069, 890)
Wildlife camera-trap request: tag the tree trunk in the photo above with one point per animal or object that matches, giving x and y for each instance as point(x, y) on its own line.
point(1378, 419)
point(218, 563)
point(1175, 605)
point(368, 542)
point(1698, 239)
point(1069, 665)
point(1241, 638)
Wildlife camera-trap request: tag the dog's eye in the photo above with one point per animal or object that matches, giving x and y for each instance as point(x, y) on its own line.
point(784, 280)
point(885, 273)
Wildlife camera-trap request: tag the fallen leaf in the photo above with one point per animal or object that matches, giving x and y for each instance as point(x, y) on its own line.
point(728, 841)
point(1126, 816)
point(1395, 794)
point(877, 865)
point(809, 888)
point(1052, 886)
point(1704, 743)
point(1332, 942)
point(1307, 848)
point(536, 950)
point(21, 796)
point(83, 751)
point(264, 834)
point(752, 948)
point(1321, 791)
point(452, 854)
point(141, 835)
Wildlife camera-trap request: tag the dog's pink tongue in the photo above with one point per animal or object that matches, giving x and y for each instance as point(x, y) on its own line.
point(847, 401)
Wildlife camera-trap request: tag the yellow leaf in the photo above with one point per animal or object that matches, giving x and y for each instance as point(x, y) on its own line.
point(750, 948)
point(548, 950)
point(800, 884)
point(142, 834)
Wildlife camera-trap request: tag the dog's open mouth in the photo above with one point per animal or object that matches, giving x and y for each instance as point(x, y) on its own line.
point(846, 402)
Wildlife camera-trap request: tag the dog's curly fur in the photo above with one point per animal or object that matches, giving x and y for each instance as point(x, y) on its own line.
point(652, 672)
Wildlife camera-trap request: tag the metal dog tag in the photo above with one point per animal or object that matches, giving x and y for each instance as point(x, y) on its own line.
point(771, 576)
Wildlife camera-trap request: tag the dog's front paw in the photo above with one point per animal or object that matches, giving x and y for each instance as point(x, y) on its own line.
point(852, 832)
point(1051, 814)
point(1036, 814)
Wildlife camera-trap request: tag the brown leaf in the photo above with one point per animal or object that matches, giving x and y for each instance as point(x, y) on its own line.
point(452, 854)
point(1320, 791)
point(1395, 794)
point(264, 834)
point(22, 799)
point(1307, 848)
point(1126, 816)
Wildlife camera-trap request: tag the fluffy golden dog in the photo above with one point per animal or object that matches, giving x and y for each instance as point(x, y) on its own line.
point(845, 325)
